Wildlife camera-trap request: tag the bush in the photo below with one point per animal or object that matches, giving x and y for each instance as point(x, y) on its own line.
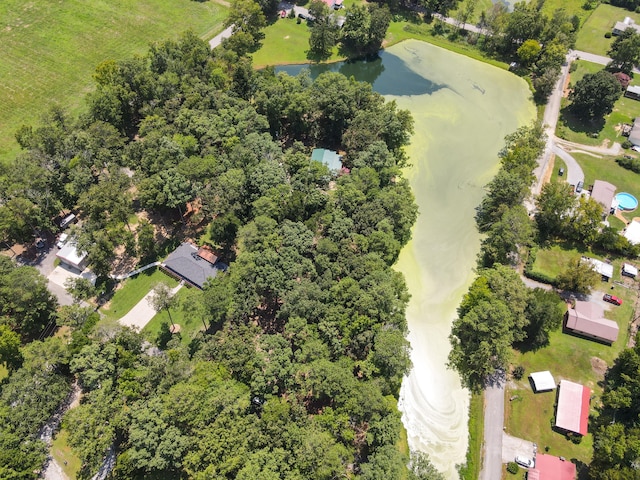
point(518, 372)
point(540, 277)
point(632, 164)
point(512, 468)
point(627, 144)
point(607, 35)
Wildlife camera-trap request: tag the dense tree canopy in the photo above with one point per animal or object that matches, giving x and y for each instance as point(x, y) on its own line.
point(594, 95)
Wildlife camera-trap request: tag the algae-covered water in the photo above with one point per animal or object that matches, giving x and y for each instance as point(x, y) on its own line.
point(462, 110)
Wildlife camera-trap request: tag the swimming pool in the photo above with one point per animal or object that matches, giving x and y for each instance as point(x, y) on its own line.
point(626, 201)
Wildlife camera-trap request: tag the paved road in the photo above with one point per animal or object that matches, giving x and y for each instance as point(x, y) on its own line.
point(217, 40)
point(599, 59)
point(493, 429)
point(574, 172)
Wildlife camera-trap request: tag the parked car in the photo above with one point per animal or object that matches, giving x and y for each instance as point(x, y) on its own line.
point(62, 240)
point(561, 171)
point(524, 461)
point(636, 148)
point(579, 186)
point(612, 299)
point(41, 243)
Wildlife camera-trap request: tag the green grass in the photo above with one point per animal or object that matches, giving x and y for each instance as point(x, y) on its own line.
point(64, 455)
point(607, 169)
point(189, 325)
point(554, 260)
point(594, 133)
point(471, 470)
point(558, 163)
point(133, 290)
point(286, 42)
point(591, 36)
point(50, 49)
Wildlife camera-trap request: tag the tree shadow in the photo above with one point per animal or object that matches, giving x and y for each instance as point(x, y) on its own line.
point(591, 127)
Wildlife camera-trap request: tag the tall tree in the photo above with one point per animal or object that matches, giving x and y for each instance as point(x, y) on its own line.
point(163, 299)
point(324, 32)
point(625, 52)
point(594, 95)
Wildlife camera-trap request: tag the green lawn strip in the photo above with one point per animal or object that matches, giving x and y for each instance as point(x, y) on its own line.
point(594, 133)
point(471, 470)
point(133, 290)
point(591, 36)
point(481, 6)
point(51, 49)
point(286, 42)
point(553, 260)
point(64, 454)
point(571, 7)
point(558, 163)
point(189, 325)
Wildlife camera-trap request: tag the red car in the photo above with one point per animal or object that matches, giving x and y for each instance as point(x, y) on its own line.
point(612, 299)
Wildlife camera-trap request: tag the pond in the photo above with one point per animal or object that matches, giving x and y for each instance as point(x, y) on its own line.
point(462, 110)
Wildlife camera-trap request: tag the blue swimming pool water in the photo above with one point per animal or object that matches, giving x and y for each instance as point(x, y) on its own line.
point(626, 201)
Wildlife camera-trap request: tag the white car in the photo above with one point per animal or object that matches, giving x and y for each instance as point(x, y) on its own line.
point(636, 148)
point(62, 240)
point(524, 461)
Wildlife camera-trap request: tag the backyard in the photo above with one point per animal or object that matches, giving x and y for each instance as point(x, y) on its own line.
point(591, 36)
point(50, 49)
point(189, 324)
point(595, 133)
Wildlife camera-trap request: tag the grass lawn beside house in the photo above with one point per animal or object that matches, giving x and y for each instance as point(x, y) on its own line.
point(133, 290)
point(189, 325)
point(594, 133)
point(64, 454)
point(591, 35)
point(51, 49)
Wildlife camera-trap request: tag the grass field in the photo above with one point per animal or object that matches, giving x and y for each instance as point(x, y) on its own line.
point(471, 471)
point(64, 455)
point(594, 133)
point(591, 36)
point(554, 260)
point(189, 326)
point(50, 49)
point(133, 290)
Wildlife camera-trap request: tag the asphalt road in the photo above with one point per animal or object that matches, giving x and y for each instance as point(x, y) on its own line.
point(493, 429)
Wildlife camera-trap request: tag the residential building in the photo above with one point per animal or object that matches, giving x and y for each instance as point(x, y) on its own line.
point(192, 264)
point(587, 319)
point(549, 467)
point(572, 412)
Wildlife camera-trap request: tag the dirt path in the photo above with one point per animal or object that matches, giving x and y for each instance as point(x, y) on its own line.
point(615, 149)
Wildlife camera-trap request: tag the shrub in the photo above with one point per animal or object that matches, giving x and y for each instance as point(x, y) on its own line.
point(632, 164)
point(607, 35)
point(512, 468)
point(627, 144)
point(518, 372)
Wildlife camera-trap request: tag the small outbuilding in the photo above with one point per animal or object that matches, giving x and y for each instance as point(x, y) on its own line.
point(632, 232)
point(330, 158)
point(70, 256)
point(572, 412)
point(543, 381)
point(620, 27)
point(633, 92)
point(629, 270)
point(587, 319)
point(549, 467)
point(634, 134)
point(604, 269)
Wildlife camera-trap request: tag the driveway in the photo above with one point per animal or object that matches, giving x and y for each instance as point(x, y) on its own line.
point(493, 428)
point(512, 446)
point(599, 59)
point(574, 172)
point(142, 312)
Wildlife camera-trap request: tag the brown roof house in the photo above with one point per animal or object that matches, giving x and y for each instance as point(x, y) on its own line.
point(587, 319)
point(604, 193)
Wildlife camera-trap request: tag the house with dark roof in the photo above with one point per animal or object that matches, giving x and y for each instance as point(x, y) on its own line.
point(587, 319)
point(549, 467)
point(192, 264)
point(572, 412)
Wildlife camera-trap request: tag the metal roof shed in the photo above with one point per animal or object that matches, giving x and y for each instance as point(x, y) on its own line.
point(572, 413)
point(543, 381)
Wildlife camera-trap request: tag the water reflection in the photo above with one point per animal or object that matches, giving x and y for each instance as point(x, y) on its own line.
point(388, 75)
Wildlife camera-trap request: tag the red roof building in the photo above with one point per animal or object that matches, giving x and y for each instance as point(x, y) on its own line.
point(549, 467)
point(572, 413)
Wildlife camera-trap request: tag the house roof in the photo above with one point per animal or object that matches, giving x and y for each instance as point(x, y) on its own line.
point(629, 269)
point(632, 232)
point(543, 381)
point(603, 193)
point(572, 413)
point(604, 269)
point(330, 158)
point(70, 255)
point(186, 262)
point(622, 26)
point(588, 318)
point(549, 467)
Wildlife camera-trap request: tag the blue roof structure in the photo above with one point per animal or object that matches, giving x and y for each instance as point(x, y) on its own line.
point(330, 158)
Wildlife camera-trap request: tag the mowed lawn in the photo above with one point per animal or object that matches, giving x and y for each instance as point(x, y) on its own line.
point(594, 133)
point(50, 49)
point(591, 36)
